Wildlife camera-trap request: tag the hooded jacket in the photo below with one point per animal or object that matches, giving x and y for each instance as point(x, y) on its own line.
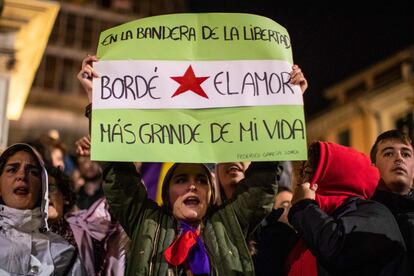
point(344, 233)
point(152, 229)
point(27, 245)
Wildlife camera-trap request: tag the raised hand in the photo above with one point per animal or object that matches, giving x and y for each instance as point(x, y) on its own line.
point(86, 74)
point(304, 191)
point(297, 77)
point(83, 146)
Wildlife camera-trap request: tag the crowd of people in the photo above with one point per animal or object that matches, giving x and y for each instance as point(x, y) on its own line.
point(338, 213)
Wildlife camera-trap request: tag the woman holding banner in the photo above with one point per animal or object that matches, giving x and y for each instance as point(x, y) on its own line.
point(189, 234)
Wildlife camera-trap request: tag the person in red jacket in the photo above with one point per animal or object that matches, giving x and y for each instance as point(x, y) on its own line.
point(341, 231)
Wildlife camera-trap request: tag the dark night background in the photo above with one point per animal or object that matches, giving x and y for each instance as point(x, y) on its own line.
point(331, 43)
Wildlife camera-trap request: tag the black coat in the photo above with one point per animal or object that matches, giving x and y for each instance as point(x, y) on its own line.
point(360, 238)
point(402, 207)
point(274, 240)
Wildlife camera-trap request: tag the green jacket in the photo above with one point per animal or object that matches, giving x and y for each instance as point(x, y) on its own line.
point(152, 228)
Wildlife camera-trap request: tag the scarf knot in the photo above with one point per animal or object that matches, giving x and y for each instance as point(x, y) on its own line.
point(189, 248)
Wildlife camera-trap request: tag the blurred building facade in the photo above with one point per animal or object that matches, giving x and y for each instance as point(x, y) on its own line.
point(25, 26)
point(363, 106)
point(56, 100)
point(366, 104)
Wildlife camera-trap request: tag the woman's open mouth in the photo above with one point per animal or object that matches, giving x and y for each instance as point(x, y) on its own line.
point(191, 201)
point(21, 191)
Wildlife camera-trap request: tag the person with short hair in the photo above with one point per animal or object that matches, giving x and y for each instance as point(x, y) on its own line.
point(393, 155)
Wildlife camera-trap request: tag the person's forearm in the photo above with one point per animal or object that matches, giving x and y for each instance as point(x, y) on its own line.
point(125, 192)
point(321, 233)
point(88, 114)
point(254, 197)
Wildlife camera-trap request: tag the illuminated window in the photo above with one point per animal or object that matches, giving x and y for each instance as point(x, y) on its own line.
point(405, 123)
point(344, 138)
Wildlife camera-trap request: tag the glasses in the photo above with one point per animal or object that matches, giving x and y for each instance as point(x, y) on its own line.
point(306, 171)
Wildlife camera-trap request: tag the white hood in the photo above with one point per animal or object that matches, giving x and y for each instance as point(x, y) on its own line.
point(45, 199)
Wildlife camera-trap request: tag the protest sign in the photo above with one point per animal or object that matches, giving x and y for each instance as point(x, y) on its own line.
point(196, 88)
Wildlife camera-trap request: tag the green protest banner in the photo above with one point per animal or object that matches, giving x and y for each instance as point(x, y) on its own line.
point(197, 88)
point(209, 36)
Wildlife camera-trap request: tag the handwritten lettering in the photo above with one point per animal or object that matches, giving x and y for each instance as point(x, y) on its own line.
point(147, 133)
point(284, 130)
point(109, 39)
point(209, 33)
point(248, 156)
point(135, 87)
point(254, 33)
point(254, 83)
point(189, 33)
point(272, 153)
point(231, 33)
point(258, 33)
point(169, 134)
point(219, 135)
point(251, 129)
point(181, 32)
point(117, 133)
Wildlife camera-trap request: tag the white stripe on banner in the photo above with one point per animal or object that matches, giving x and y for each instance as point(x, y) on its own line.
point(193, 84)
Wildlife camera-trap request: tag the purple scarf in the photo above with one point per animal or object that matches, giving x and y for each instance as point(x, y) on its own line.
point(189, 248)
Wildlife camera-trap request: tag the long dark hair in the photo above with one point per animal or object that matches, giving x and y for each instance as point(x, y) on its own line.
point(64, 185)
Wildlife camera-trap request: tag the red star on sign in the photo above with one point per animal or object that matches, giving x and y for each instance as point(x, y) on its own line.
point(190, 82)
